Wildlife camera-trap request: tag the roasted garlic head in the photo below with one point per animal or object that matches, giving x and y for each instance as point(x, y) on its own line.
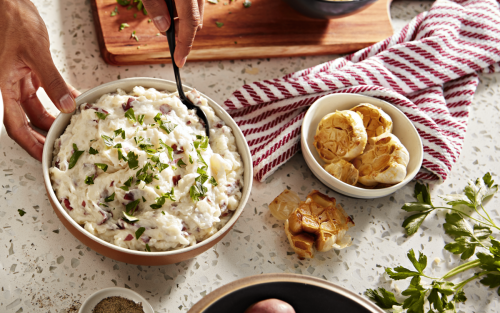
point(384, 161)
point(318, 222)
point(340, 135)
point(375, 121)
point(343, 171)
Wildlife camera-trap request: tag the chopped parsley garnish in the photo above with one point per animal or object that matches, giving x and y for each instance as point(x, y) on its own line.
point(118, 145)
point(133, 160)
point(147, 246)
point(133, 33)
point(76, 155)
point(108, 141)
point(198, 191)
point(123, 25)
point(219, 24)
point(93, 151)
point(130, 115)
point(143, 199)
point(140, 118)
point(149, 148)
point(163, 212)
point(168, 127)
point(213, 181)
point(162, 166)
point(200, 158)
point(102, 166)
point(132, 206)
point(181, 164)
point(100, 115)
point(190, 159)
point(119, 132)
point(21, 212)
point(247, 4)
point(127, 184)
point(201, 142)
point(123, 2)
point(121, 156)
point(129, 218)
point(89, 180)
point(110, 198)
point(170, 195)
point(103, 204)
point(115, 11)
point(160, 201)
point(139, 232)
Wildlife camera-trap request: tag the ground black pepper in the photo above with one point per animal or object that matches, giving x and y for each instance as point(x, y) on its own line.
point(117, 305)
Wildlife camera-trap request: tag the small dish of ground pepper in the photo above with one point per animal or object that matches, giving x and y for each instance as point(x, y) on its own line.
point(116, 300)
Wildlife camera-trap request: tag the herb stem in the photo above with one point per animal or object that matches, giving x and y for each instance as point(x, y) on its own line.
point(472, 218)
point(489, 218)
point(461, 268)
point(461, 285)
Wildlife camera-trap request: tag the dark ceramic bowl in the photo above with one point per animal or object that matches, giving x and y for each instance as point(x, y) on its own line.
point(305, 294)
point(327, 9)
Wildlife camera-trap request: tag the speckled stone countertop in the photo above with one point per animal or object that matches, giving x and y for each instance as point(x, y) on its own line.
point(43, 268)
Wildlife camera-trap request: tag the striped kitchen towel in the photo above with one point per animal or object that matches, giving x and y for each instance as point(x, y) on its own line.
point(429, 70)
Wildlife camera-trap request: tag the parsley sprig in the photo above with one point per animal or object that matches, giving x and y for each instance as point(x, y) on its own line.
point(441, 295)
point(75, 156)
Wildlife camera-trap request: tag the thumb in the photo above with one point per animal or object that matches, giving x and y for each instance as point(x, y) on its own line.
point(54, 85)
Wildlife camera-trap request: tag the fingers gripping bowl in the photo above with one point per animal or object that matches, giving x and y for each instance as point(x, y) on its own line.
point(124, 250)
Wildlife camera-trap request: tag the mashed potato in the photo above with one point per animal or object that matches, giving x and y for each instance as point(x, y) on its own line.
point(136, 170)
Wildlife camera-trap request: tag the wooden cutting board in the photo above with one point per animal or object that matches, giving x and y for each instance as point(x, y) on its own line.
point(269, 28)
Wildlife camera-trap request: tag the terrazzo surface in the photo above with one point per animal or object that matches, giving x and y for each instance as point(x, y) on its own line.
point(43, 268)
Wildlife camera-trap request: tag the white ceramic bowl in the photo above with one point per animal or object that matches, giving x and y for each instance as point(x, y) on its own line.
point(134, 256)
point(89, 304)
point(402, 128)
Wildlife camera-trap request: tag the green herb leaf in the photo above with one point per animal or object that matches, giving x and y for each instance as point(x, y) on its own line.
point(123, 188)
point(108, 141)
point(143, 199)
point(148, 249)
point(130, 115)
point(168, 127)
point(123, 26)
point(419, 265)
point(190, 159)
point(170, 195)
point(132, 206)
point(383, 298)
point(75, 156)
point(140, 118)
point(93, 151)
point(247, 4)
point(201, 160)
point(413, 222)
point(219, 24)
point(89, 180)
point(422, 193)
point(415, 303)
point(416, 207)
point(133, 160)
point(466, 238)
point(139, 232)
point(21, 212)
point(100, 115)
point(133, 33)
point(123, 2)
point(213, 181)
point(401, 272)
point(181, 164)
point(102, 166)
point(110, 198)
point(157, 118)
point(129, 218)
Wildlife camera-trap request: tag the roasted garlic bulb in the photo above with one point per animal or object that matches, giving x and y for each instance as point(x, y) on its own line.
point(376, 121)
point(340, 135)
point(284, 204)
point(318, 222)
point(343, 171)
point(384, 161)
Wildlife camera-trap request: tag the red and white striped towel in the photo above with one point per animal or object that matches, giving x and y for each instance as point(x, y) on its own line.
point(428, 70)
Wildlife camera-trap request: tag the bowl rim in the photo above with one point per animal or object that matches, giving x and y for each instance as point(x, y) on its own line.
point(248, 281)
point(315, 166)
point(108, 292)
point(245, 156)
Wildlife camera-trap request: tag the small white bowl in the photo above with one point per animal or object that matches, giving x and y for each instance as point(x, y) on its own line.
point(402, 128)
point(89, 304)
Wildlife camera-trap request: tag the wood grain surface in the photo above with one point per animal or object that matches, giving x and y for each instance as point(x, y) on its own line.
point(269, 28)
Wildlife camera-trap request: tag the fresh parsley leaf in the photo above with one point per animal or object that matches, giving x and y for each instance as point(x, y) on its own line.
point(213, 181)
point(190, 159)
point(132, 206)
point(100, 115)
point(466, 238)
point(170, 195)
point(415, 302)
point(21, 212)
point(160, 201)
point(89, 180)
point(123, 26)
point(416, 207)
point(201, 160)
point(127, 184)
point(123, 2)
point(247, 3)
point(130, 115)
point(201, 142)
point(168, 127)
point(102, 166)
point(383, 298)
point(123, 188)
point(93, 151)
point(108, 141)
point(163, 212)
point(143, 199)
point(413, 222)
point(139, 232)
point(121, 156)
point(419, 264)
point(422, 193)
point(140, 118)
point(181, 164)
point(148, 249)
point(75, 156)
point(157, 118)
point(119, 132)
point(219, 24)
point(401, 272)
point(118, 145)
point(133, 160)
point(110, 198)
point(162, 166)
point(129, 218)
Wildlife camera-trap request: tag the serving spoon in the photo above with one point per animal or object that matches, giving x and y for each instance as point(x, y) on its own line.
point(171, 44)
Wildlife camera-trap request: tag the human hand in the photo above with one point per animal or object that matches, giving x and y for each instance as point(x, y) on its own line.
point(26, 65)
point(189, 21)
